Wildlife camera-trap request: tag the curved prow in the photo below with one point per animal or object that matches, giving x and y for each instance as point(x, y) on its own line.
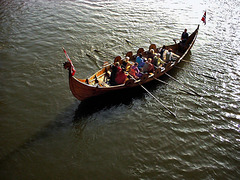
point(193, 36)
point(67, 65)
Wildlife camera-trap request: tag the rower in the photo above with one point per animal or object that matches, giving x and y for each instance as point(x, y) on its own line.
point(115, 69)
point(140, 61)
point(163, 49)
point(157, 61)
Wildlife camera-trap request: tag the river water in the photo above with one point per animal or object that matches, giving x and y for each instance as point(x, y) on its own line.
point(47, 134)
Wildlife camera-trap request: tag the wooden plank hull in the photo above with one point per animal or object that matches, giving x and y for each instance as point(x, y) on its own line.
point(83, 89)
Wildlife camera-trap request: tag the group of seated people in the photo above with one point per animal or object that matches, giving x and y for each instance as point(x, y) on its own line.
point(146, 64)
point(142, 65)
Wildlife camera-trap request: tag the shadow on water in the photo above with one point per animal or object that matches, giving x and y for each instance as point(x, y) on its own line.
point(79, 116)
point(104, 102)
point(72, 117)
point(62, 121)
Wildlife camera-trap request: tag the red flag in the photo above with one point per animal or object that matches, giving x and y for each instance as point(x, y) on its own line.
point(204, 18)
point(72, 67)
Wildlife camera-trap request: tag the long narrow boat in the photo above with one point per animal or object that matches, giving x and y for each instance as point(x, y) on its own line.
point(96, 84)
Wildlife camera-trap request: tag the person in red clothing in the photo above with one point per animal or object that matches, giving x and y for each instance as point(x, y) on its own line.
point(120, 76)
point(115, 69)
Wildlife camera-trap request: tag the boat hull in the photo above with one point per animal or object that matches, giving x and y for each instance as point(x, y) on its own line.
point(83, 90)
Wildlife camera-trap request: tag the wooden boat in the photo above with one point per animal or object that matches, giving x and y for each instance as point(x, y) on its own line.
point(96, 84)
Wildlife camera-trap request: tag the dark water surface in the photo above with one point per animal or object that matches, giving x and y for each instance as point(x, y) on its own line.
point(47, 134)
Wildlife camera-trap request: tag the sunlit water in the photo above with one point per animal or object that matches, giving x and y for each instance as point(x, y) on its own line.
point(47, 134)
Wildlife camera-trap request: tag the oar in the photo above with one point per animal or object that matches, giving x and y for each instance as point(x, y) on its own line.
point(182, 84)
point(154, 97)
point(196, 73)
point(150, 41)
point(103, 54)
point(202, 66)
point(91, 57)
point(97, 51)
point(131, 43)
point(94, 59)
point(197, 64)
point(158, 100)
point(100, 52)
point(174, 86)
